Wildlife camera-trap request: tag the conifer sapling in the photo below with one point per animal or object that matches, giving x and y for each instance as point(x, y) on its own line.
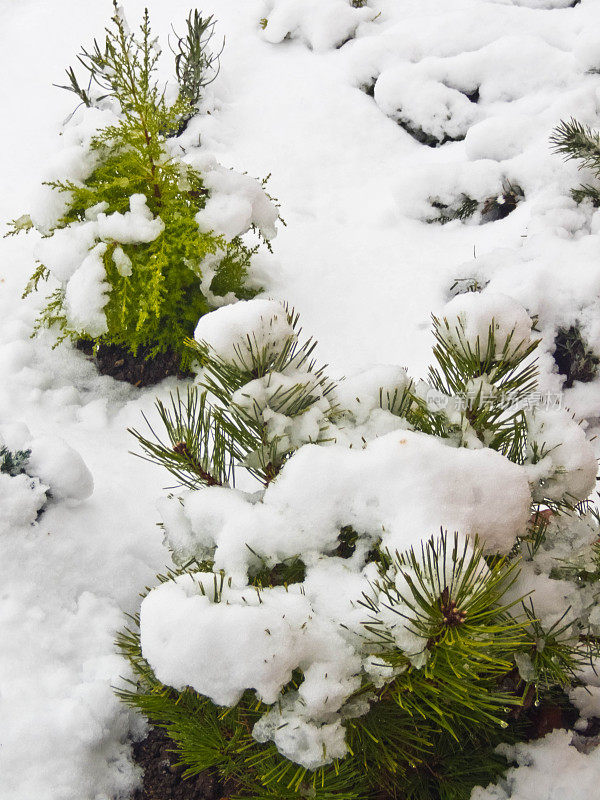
point(130, 234)
point(320, 635)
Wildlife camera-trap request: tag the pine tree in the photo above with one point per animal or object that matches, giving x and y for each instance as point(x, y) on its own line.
point(424, 720)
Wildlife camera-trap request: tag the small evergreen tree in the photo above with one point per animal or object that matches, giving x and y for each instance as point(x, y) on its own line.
point(451, 656)
point(147, 272)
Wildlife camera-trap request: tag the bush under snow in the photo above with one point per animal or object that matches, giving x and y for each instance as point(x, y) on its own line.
point(370, 470)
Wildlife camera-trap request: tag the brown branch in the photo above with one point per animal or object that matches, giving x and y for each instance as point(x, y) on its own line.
point(182, 449)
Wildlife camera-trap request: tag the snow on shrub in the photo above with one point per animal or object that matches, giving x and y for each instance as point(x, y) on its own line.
point(546, 769)
point(320, 24)
point(430, 111)
point(142, 237)
point(336, 622)
point(35, 471)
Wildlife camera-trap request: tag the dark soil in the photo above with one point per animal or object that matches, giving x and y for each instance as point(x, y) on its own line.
point(163, 778)
point(139, 370)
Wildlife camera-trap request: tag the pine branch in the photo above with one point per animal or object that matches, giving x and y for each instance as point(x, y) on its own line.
point(454, 604)
point(573, 140)
point(496, 417)
point(260, 452)
point(200, 451)
point(555, 653)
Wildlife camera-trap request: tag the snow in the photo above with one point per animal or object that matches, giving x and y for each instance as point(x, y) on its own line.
point(548, 769)
point(236, 203)
point(291, 734)
point(86, 294)
point(21, 498)
point(195, 654)
point(568, 464)
point(438, 110)
point(470, 316)
point(64, 251)
point(268, 401)
point(73, 161)
point(134, 226)
point(359, 394)
point(401, 488)
point(54, 462)
point(226, 330)
point(192, 628)
point(122, 261)
point(356, 259)
point(54, 472)
point(321, 24)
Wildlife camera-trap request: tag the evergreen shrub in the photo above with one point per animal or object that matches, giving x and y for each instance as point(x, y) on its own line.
point(292, 647)
point(135, 263)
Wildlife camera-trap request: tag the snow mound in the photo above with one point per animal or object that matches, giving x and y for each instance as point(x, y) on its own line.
point(21, 498)
point(236, 202)
point(548, 769)
point(402, 488)
point(235, 332)
point(470, 317)
point(56, 463)
point(424, 106)
point(54, 472)
point(320, 24)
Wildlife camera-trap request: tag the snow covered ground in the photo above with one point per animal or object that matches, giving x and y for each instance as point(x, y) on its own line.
point(356, 258)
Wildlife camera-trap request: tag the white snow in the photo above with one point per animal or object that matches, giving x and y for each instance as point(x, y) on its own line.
point(22, 498)
point(135, 225)
point(122, 261)
point(568, 466)
point(86, 294)
point(548, 769)
point(64, 251)
point(236, 202)
point(226, 330)
point(402, 488)
point(363, 268)
point(189, 637)
point(54, 462)
point(438, 110)
point(321, 24)
point(470, 317)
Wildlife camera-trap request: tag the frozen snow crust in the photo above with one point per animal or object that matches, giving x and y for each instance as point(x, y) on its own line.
point(371, 473)
point(356, 258)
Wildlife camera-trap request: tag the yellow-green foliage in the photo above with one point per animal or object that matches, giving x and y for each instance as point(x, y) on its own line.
point(158, 305)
